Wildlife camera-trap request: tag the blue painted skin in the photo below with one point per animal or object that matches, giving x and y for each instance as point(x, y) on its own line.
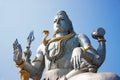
point(72, 55)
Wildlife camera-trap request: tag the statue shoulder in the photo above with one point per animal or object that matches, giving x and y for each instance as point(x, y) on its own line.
point(41, 49)
point(83, 39)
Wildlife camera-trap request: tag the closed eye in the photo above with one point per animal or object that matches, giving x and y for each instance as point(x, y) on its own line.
point(55, 20)
point(62, 18)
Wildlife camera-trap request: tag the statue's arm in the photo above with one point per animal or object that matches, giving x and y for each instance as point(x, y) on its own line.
point(98, 34)
point(35, 69)
point(85, 50)
point(88, 52)
point(91, 55)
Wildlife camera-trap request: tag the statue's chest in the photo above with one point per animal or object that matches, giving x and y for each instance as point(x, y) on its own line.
point(59, 52)
point(65, 46)
point(53, 48)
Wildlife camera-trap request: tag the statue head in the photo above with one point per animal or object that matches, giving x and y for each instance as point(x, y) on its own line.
point(62, 23)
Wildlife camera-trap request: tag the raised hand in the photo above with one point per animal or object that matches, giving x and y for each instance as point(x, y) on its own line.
point(17, 51)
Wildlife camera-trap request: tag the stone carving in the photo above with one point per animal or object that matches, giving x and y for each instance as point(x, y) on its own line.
point(66, 56)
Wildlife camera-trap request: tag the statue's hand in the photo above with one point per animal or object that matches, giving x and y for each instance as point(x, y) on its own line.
point(99, 33)
point(76, 58)
point(17, 57)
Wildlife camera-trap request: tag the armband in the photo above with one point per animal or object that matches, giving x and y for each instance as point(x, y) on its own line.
point(89, 47)
point(87, 57)
point(86, 48)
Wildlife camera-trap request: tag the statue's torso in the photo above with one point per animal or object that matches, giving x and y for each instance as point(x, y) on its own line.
point(64, 61)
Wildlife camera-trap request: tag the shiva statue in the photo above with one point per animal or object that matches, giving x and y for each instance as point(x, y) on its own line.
point(62, 57)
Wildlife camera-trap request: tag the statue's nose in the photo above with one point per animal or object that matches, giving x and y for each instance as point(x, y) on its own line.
point(58, 21)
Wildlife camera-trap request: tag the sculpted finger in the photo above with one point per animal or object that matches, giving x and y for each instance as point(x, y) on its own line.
point(79, 58)
point(19, 48)
point(14, 57)
point(19, 51)
point(77, 62)
point(71, 60)
point(74, 63)
point(14, 53)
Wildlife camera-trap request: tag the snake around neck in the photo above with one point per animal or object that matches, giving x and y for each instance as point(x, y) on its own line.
point(60, 51)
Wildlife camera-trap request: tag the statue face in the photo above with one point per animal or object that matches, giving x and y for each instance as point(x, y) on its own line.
point(61, 23)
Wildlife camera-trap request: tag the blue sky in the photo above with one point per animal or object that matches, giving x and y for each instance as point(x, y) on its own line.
point(19, 17)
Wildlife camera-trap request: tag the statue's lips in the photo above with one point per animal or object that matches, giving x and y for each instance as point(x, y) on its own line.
point(58, 26)
point(58, 30)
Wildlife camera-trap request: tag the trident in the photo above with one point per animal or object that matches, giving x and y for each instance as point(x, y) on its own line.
point(27, 51)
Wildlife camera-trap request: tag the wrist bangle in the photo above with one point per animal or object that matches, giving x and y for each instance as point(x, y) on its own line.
point(20, 65)
point(83, 49)
point(24, 75)
point(101, 40)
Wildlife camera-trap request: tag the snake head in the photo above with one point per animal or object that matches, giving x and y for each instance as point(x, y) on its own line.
point(46, 32)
